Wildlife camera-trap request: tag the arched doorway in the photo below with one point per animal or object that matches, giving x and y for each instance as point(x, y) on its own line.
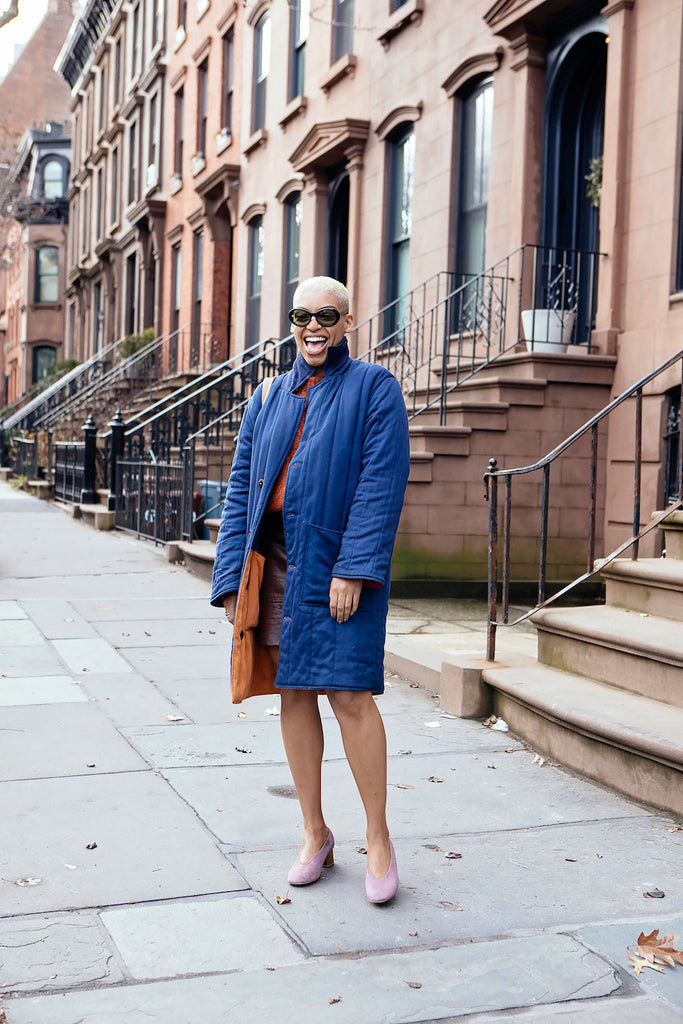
point(574, 131)
point(337, 255)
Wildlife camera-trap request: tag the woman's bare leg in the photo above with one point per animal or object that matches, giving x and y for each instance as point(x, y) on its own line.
point(302, 734)
point(365, 744)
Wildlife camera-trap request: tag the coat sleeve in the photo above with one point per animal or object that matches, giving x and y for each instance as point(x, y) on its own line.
point(370, 532)
point(232, 536)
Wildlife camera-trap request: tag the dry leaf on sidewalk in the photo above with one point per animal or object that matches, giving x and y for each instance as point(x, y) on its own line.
point(654, 949)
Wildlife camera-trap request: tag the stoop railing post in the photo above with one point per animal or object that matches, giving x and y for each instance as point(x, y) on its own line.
point(118, 432)
point(89, 492)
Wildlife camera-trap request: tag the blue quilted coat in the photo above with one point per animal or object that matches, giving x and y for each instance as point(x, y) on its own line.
point(343, 499)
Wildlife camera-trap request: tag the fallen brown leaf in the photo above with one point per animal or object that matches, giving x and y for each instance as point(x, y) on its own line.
point(572, 860)
point(432, 846)
point(654, 894)
point(639, 964)
point(434, 778)
point(413, 934)
point(282, 900)
point(652, 948)
point(414, 984)
point(334, 999)
point(243, 750)
point(453, 856)
point(403, 785)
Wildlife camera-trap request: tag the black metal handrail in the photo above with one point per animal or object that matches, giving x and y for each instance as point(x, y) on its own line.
point(493, 475)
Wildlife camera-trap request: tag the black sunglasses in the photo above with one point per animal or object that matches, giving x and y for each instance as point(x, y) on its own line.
point(328, 316)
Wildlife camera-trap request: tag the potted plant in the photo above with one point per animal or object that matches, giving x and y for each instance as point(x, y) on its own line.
point(547, 330)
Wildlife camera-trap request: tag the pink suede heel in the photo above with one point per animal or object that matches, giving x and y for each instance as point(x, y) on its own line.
point(304, 874)
point(381, 890)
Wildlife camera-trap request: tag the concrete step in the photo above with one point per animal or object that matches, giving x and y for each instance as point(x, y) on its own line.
point(629, 742)
point(497, 388)
point(438, 440)
point(198, 556)
point(213, 526)
point(651, 585)
point(631, 650)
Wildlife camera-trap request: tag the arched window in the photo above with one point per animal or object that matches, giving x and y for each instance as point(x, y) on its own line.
point(54, 185)
point(292, 206)
point(400, 213)
point(261, 69)
point(255, 279)
point(476, 117)
point(47, 274)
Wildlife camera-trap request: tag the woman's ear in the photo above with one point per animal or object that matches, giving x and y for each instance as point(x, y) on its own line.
point(349, 321)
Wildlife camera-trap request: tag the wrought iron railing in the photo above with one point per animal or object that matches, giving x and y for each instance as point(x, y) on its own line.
point(589, 433)
point(69, 463)
point(25, 457)
point(149, 498)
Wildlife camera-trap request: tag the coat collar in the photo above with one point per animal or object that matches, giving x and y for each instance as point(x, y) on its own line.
point(337, 358)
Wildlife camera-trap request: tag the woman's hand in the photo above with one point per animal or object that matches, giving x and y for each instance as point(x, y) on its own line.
point(230, 603)
point(344, 598)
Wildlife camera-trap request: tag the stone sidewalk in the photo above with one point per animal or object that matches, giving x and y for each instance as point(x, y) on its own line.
point(148, 826)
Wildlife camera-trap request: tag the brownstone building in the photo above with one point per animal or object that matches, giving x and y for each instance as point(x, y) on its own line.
point(113, 60)
point(31, 96)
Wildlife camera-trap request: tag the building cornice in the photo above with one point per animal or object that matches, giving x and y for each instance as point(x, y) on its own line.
point(87, 32)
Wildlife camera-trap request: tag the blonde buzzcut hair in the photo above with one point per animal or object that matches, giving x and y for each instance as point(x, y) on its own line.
point(325, 284)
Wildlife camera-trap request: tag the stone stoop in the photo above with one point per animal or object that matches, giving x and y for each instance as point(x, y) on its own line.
point(198, 556)
point(605, 696)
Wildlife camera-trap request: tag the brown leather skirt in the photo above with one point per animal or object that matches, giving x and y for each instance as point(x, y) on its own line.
point(272, 546)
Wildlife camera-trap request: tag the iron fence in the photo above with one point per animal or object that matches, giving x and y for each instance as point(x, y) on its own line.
point(25, 457)
point(150, 498)
point(69, 465)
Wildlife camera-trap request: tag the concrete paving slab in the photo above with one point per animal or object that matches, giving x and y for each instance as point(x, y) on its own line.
point(57, 619)
point(454, 980)
point(61, 740)
point(442, 899)
point(90, 655)
point(184, 607)
point(612, 941)
point(149, 845)
point(127, 698)
point(20, 503)
point(612, 1010)
point(15, 692)
point(38, 659)
point(143, 584)
point(183, 746)
point(217, 935)
point(183, 663)
point(150, 632)
point(56, 952)
point(12, 610)
point(19, 633)
point(471, 799)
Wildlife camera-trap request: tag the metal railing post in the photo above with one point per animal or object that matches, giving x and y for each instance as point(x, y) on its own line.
point(89, 492)
point(118, 431)
point(492, 495)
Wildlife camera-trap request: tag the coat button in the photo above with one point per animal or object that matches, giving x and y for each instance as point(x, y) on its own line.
point(260, 483)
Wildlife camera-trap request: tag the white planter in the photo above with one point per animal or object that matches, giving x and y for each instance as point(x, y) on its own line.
point(547, 330)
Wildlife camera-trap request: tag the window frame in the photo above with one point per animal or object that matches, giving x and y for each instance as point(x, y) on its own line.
point(179, 130)
point(41, 276)
point(300, 12)
point(228, 78)
point(260, 71)
point(292, 225)
point(202, 105)
point(342, 29)
point(255, 261)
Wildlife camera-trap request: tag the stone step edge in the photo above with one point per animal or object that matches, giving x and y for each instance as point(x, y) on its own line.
point(666, 573)
point(558, 622)
point(621, 728)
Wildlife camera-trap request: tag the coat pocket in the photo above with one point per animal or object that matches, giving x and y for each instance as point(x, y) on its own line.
point(322, 551)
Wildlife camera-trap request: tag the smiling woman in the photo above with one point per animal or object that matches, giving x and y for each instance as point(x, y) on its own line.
point(316, 491)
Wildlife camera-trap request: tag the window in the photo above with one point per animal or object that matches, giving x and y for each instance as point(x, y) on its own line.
point(117, 71)
point(77, 141)
point(255, 280)
point(395, 4)
point(71, 334)
point(176, 279)
point(228, 78)
point(202, 103)
point(85, 220)
point(73, 230)
point(133, 160)
point(292, 237)
point(102, 109)
point(98, 317)
point(153, 150)
point(47, 274)
point(300, 19)
point(87, 121)
point(342, 31)
point(197, 286)
point(44, 360)
point(400, 210)
point(53, 179)
point(182, 13)
point(100, 204)
point(136, 43)
point(475, 150)
point(157, 24)
point(179, 105)
point(131, 275)
point(261, 68)
point(115, 185)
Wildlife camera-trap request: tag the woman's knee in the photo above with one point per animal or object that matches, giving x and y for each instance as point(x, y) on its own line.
point(297, 700)
point(351, 703)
